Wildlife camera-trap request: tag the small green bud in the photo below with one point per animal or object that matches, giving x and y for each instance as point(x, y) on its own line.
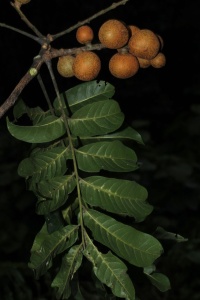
point(33, 72)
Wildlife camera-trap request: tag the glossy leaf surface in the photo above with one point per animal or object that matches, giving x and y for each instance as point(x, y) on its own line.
point(45, 164)
point(56, 192)
point(49, 129)
point(97, 118)
point(85, 93)
point(116, 195)
point(71, 261)
point(111, 271)
point(160, 281)
point(138, 248)
point(128, 134)
point(110, 156)
point(51, 245)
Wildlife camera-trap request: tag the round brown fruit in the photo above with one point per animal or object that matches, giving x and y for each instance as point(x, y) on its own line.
point(64, 65)
point(144, 63)
point(84, 34)
point(123, 65)
point(144, 44)
point(133, 29)
point(159, 61)
point(113, 34)
point(86, 66)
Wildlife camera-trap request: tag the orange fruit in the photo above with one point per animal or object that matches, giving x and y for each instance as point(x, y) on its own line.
point(123, 65)
point(144, 63)
point(84, 34)
point(64, 65)
point(86, 66)
point(158, 61)
point(144, 44)
point(133, 29)
point(113, 34)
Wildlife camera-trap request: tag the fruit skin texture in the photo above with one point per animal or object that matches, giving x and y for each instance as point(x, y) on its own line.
point(144, 44)
point(84, 34)
point(123, 65)
point(113, 34)
point(86, 66)
point(144, 63)
point(159, 61)
point(133, 29)
point(64, 65)
point(23, 1)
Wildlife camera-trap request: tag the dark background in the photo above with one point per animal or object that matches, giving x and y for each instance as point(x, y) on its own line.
point(162, 104)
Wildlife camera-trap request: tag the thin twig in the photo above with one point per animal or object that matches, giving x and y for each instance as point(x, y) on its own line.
point(88, 20)
point(30, 74)
point(37, 63)
point(28, 23)
point(41, 83)
point(33, 37)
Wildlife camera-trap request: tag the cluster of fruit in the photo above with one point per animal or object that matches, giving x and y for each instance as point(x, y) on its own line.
point(135, 48)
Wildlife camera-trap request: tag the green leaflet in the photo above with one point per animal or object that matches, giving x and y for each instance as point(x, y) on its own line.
point(49, 129)
point(85, 93)
point(47, 247)
point(110, 270)
point(19, 109)
point(56, 192)
point(97, 118)
point(71, 261)
point(45, 164)
point(57, 187)
point(36, 114)
point(110, 156)
point(159, 280)
point(138, 248)
point(117, 196)
point(127, 134)
point(41, 235)
point(162, 234)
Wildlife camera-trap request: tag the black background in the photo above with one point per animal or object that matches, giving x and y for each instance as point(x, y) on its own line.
point(162, 104)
